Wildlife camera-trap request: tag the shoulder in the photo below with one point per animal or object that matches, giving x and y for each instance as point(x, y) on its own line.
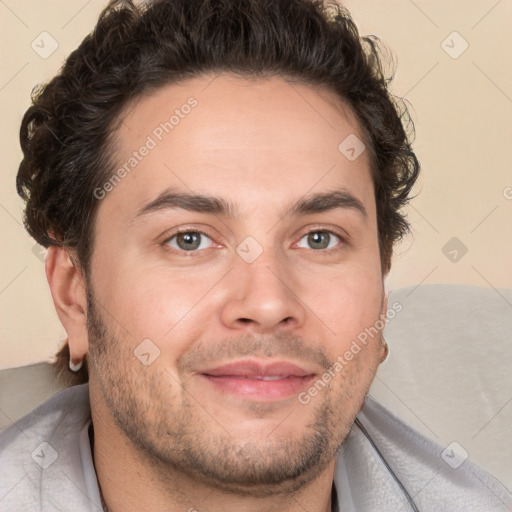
point(65, 412)
point(42, 455)
point(410, 468)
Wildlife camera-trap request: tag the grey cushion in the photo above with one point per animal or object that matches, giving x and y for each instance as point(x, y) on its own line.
point(21, 389)
point(448, 373)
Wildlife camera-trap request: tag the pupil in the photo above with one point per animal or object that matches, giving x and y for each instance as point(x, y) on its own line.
point(188, 241)
point(319, 240)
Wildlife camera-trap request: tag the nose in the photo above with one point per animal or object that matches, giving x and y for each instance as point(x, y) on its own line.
point(263, 297)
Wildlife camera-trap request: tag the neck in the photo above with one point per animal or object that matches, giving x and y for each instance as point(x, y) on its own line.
point(130, 480)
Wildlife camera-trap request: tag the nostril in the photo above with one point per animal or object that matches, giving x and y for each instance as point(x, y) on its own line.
point(286, 320)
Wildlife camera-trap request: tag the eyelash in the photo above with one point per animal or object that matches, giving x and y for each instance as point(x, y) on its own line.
point(326, 251)
point(184, 231)
point(342, 240)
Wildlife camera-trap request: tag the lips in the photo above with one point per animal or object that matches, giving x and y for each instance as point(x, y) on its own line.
point(253, 380)
point(253, 369)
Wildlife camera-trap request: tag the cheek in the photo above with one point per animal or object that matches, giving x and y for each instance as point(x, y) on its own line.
point(348, 303)
point(153, 303)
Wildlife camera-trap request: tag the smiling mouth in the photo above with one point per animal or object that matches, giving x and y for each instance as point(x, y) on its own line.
point(254, 381)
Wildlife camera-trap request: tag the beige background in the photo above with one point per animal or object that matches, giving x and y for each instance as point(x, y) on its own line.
point(462, 110)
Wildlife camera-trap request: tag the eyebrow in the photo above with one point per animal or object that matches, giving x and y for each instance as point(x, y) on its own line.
point(326, 201)
point(315, 203)
point(186, 201)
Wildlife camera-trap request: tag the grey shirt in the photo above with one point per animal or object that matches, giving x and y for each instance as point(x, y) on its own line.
point(383, 465)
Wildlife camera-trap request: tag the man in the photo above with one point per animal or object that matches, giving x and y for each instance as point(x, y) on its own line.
point(219, 185)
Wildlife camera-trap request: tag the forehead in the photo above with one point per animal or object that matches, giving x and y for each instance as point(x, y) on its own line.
point(253, 142)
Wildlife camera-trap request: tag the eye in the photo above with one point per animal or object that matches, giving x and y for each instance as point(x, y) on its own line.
point(319, 240)
point(189, 241)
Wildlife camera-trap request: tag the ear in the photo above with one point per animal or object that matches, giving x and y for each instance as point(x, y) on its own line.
point(384, 306)
point(384, 346)
point(68, 288)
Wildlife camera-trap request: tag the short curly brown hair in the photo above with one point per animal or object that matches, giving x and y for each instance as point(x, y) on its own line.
point(66, 134)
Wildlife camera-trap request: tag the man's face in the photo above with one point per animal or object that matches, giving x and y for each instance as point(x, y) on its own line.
point(247, 294)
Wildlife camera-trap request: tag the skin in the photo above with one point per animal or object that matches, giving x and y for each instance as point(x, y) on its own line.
point(260, 146)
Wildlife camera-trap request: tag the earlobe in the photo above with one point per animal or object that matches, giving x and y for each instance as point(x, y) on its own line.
point(68, 288)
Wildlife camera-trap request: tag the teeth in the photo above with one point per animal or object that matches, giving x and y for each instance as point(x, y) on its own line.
point(269, 377)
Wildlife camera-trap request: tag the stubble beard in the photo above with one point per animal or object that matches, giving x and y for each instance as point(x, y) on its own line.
point(169, 428)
